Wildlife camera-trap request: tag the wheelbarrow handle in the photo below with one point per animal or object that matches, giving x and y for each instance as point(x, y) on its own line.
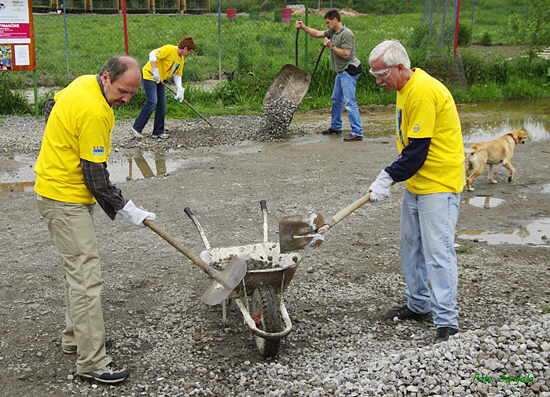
point(198, 226)
point(264, 212)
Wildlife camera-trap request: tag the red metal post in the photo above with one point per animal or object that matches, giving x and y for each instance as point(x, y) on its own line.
point(125, 26)
point(456, 26)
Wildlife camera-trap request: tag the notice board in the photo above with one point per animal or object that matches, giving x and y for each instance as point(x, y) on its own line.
point(16, 35)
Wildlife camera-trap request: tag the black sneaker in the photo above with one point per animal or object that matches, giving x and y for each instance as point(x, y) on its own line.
point(111, 373)
point(442, 334)
point(404, 313)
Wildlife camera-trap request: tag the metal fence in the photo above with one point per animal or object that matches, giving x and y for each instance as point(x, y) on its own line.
point(78, 36)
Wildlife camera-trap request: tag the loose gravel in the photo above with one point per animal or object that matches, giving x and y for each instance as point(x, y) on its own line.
point(174, 345)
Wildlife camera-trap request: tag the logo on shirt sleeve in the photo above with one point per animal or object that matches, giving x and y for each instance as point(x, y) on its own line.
point(416, 128)
point(99, 151)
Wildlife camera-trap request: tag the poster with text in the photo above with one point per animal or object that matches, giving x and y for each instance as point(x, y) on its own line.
point(16, 35)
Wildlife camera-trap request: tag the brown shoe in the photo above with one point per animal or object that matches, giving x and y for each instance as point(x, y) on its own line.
point(330, 131)
point(353, 137)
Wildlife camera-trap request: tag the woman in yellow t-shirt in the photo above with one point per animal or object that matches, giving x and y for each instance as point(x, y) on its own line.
point(164, 62)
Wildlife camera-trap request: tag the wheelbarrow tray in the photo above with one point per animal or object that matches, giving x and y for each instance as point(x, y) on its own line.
point(291, 82)
point(277, 277)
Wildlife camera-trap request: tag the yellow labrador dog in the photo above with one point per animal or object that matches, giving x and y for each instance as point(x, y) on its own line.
point(499, 150)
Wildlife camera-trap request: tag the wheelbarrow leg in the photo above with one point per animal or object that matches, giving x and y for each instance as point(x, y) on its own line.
point(224, 311)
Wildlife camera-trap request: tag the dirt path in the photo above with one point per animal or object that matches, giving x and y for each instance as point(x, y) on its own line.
point(151, 292)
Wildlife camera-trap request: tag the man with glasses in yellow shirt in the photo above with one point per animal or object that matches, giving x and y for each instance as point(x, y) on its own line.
point(431, 161)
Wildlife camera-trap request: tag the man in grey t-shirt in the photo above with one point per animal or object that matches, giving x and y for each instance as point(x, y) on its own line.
point(341, 42)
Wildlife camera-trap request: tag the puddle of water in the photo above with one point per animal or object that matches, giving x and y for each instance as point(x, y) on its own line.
point(488, 120)
point(484, 121)
point(483, 202)
point(536, 233)
point(122, 167)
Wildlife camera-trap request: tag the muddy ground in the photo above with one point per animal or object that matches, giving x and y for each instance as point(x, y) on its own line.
point(148, 285)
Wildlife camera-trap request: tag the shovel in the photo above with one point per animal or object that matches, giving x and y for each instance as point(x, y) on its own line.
point(187, 103)
point(291, 82)
point(306, 232)
point(226, 281)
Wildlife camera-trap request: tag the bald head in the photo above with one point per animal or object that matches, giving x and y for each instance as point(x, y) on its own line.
point(118, 65)
point(120, 79)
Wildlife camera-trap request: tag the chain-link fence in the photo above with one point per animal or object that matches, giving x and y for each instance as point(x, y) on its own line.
point(247, 36)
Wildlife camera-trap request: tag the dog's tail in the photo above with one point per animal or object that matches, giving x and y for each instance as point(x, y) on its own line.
point(469, 150)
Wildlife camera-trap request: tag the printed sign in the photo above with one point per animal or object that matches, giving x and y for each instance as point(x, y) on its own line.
point(16, 35)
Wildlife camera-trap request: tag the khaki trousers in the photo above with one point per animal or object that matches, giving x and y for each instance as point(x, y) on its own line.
point(72, 229)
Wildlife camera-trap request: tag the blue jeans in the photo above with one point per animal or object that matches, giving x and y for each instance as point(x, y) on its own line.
point(344, 91)
point(156, 101)
point(426, 237)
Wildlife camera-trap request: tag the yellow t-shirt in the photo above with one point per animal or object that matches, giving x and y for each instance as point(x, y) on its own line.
point(169, 63)
point(426, 109)
point(79, 126)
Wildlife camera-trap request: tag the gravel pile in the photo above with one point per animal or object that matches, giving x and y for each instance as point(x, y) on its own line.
point(24, 134)
point(279, 113)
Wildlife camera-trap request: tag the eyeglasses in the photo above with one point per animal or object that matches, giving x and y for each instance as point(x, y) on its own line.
point(383, 75)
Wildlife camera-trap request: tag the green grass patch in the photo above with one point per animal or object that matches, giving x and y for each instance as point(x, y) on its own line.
point(464, 249)
point(267, 46)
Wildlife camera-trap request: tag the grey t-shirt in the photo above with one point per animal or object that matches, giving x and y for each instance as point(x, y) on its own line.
point(342, 39)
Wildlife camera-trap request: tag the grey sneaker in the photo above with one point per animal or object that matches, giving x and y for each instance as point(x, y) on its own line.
point(72, 349)
point(164, 135)
point(111, 373)
point(138, 135)
point(404, 313)
point(442, 334)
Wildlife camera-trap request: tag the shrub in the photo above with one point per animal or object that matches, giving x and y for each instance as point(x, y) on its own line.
point(420, 38)
point(13, 102)
point(464, 34)
point(486, 39)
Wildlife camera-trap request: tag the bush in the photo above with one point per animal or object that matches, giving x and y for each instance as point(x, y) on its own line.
point(464, 35)
point(13, 102)
point(420, 38)
point(486, 39)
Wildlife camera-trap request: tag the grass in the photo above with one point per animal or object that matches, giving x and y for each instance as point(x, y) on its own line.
point(257, 50)
point(464, 249)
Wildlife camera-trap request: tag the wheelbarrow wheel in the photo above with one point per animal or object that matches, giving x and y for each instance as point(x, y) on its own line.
point(265, 304)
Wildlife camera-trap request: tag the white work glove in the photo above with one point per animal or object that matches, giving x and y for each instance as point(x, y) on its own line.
point(380, 188)
point(134, 215)
point(156, 75)
point(179, 95)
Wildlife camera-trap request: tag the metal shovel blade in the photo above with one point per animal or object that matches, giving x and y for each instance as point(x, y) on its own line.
point(225, 282)
point(299, 232)
point(291, 82)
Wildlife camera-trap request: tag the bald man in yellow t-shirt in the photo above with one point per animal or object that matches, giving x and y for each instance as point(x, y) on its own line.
point(71, 175)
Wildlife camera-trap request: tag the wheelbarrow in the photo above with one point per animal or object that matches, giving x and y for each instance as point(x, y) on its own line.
point(291, 82)
point(267, 317)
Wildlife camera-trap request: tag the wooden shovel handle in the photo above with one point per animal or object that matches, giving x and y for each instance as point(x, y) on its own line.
point(344, 213)
point(177, 245)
